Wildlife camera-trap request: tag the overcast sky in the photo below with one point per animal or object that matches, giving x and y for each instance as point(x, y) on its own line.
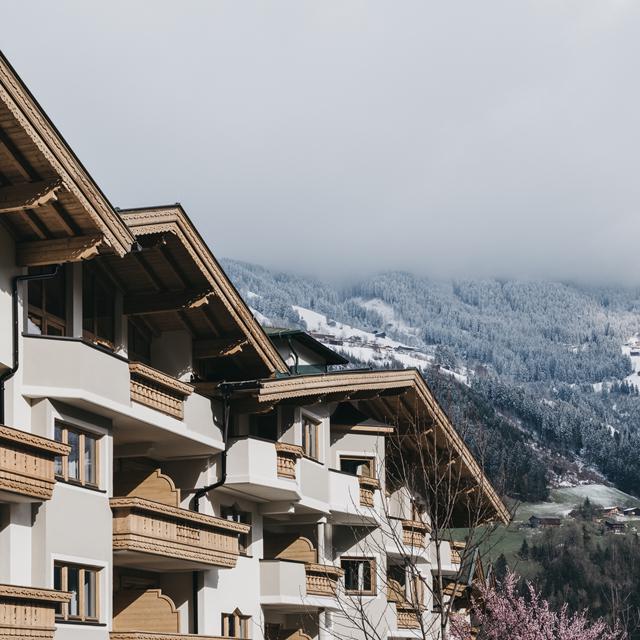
point(343, 137)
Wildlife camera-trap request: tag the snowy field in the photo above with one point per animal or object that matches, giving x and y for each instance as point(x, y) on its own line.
point(562, 501)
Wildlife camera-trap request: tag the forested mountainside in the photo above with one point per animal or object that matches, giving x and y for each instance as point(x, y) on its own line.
point(550, 367)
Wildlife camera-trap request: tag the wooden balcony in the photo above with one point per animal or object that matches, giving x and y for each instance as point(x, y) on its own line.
point(27, 465)
point(322, 579)
point(162, 537)
point(407, 616)
point(414, 533)
point(147, 615)
point(158, 390)
point(368, 487)
point(29, 613)
point(287, 455)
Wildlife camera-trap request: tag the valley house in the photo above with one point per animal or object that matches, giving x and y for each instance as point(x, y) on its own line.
point(167, 469)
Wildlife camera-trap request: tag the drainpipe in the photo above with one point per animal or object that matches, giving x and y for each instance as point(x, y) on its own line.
point(200, 493)
point(296, 357)
point(7, 375)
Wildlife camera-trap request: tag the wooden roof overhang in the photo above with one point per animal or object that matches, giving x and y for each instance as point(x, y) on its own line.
point(48, 201)
point(399, 398)
point(171, 281)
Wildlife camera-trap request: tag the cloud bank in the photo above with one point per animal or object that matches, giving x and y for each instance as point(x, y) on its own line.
point(337, 138)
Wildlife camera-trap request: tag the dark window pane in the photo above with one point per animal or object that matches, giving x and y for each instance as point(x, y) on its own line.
point(74, 456)
point(139, 346)
point(88, 294)
point(58, 460)
point(264, 426)
point(55, 301)
point(105, 302)
point(72, 585)
point(350, 466)
point(366, 576)
point(89, 593)
point(57, 584)
point(98, 304)
point(350, 575)
point(54, 330)
point(89, 459)
point(36, 298)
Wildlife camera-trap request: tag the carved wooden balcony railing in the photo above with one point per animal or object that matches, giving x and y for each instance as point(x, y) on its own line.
point(414, 533)
point(157, 390)
point(29, 613)
point(27, 463)
point(322, 579)
point(368, 487)
point(457, 552)
point(407, 616)
point(287, 456)
point(148, 527)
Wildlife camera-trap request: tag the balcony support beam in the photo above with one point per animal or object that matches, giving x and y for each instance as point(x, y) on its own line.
point(218, 347)
point(39, 253)
point(148, 303)
point(28, 195)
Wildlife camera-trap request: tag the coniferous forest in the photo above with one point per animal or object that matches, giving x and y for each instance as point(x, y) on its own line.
point(547, 374)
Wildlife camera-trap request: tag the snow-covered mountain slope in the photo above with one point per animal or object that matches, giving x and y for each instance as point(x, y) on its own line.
point(554, 359)
point(362, 348)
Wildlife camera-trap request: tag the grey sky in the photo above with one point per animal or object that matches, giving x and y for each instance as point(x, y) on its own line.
point(344, 137)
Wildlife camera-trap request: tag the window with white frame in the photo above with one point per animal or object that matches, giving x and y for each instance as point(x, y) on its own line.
point(82, 582)
point(358, 466)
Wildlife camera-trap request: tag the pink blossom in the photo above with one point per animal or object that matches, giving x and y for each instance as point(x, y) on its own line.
point(504, 614)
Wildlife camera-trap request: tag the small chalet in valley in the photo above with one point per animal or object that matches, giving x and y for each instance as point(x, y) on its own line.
point(614, 526)
point(537, 521)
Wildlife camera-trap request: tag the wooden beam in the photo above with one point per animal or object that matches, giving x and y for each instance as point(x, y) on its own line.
point(147, 303)
point(218, 347)
point(28, 195)
point(43, 252)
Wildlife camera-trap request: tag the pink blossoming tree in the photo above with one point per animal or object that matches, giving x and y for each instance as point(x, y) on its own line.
point(505, 614)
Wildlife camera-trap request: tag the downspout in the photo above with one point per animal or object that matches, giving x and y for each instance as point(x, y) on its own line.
point(200, 493)
point(7, 375)
point(295, 356)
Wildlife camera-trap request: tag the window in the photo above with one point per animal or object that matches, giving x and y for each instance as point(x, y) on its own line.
point(404, 587)
point(139, 342)
point(310, 437)
point(47, 303)
point(235, 515)
point(358, 466)
point(235, 625)
point(359, 575)
point(82, 582)
point(98, 306)
point(81, 465)
point(264, 425)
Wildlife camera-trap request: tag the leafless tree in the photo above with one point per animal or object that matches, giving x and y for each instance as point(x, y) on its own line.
point(431, 502)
